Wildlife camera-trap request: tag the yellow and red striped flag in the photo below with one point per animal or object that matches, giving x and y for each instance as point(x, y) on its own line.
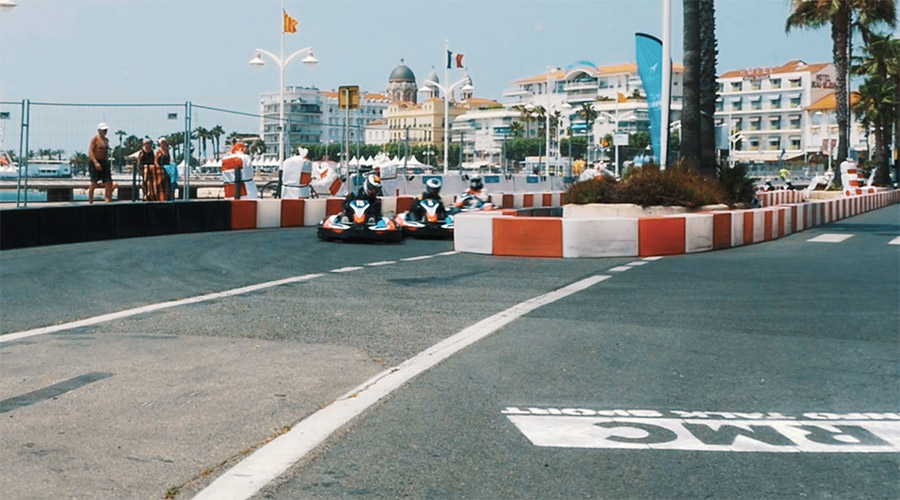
point(290, 24)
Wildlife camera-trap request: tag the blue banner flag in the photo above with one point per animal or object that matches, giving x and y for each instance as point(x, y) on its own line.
point(649, 66)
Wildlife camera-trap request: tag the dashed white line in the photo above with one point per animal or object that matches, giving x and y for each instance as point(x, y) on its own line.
point(420, 257)
point(150, 308)
point(895, 241)
point(637, 263)
point(451, 252)
point(619, 269)
point(382, 263)
point(651, 259)
point(247, 477)
point(346, 269)
point(830, 238)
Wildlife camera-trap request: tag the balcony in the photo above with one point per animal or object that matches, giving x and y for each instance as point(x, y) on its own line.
point(576, 86)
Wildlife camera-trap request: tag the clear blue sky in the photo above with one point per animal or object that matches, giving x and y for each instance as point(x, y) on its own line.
point(129, 51)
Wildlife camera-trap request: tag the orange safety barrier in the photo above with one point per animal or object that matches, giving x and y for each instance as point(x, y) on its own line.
point(334, 206)
point(721, 230)
point(660, 236)
point(748, 227)
point(243, 214)
point(292, 213)
point(528, 236)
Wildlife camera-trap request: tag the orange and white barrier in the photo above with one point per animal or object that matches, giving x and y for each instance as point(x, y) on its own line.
point(238, 161)
point(296, 177)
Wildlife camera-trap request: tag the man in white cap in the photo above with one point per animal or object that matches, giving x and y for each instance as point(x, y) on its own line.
point(98, 153)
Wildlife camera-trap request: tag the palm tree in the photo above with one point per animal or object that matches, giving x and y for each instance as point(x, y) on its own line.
point(216, 133)
point(79, 162)
point(526, 117)
point(258, 147)
point(839, 14)
point(589, 114)
point(708, 92)
point(121, 134)
point(690, 110)
point(202, 136)
point(878, 100)
point(515, 129)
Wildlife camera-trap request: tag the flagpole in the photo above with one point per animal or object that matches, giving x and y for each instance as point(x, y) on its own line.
point(666, 83)
point(446, 104)
point(281, 97)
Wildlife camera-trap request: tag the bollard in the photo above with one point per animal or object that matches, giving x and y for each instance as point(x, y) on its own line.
point(237, 183)
point(278, 191)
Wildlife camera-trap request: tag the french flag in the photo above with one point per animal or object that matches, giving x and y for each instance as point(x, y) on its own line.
point(451, 57)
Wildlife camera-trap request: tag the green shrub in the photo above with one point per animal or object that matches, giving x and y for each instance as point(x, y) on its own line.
point(738, 187)
point(597, 190)
point(648, 186)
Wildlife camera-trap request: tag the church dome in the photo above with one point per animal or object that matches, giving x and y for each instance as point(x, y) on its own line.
point(402, 73)
point(432, 77)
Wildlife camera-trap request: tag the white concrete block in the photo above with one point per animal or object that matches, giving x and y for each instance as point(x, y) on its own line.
point(313, 211)
point(389, 206)
point(759, 225)
point(788, 216)
point(606, 237)
point(268, 213)
point(698, 232)
point(474, 232)
point(737, 228)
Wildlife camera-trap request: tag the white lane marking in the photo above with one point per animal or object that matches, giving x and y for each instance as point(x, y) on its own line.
point(346, 269)
point(637, 263)
point(382, 263)
point(247, 477)
point(619, 269)
point(420, 257)
point(151, 307)
point(651, 259)
point(895, 241)
point(451, 252)
point(830, 238)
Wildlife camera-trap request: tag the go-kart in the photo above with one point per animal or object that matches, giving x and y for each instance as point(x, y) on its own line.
point(467, 202)
point(433, 222)
point(358, 224)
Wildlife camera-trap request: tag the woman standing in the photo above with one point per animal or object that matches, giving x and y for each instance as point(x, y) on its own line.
point(147, 164)
point(160, 161)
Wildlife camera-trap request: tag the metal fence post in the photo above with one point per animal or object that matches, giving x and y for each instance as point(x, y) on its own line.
point(185, 183)
point(238, 182)
point(23, 158)
point(22, 163)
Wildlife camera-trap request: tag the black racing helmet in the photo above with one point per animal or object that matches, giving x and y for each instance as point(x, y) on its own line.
point(373, 184)
point(433, 186)
point(476, 183)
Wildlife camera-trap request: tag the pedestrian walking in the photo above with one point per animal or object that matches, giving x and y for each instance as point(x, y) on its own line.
point(98, 153)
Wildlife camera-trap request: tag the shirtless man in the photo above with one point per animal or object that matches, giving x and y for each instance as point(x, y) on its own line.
point(98, 152)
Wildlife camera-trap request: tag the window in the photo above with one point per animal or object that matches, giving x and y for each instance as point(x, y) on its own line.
point(754, 143)
point(794, 83)
point(795, 122)
point(720, 105)
point(738, 124)
point(737, 86)
point(774, 143)
point(775, 123)
point(754, 123)
point(795, 142)
point(756, 105)
point(736, 105)
point(755, 84)
point(775, 83)
point(775, 103)
point(795, 102)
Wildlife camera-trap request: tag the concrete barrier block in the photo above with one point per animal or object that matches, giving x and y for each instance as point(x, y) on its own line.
point(403, 203)
point(759, 225)
point(789, 220)
point(474, 232)
point(528, 236)
point(661, 236)
point(527, 200)
point(607, 237)
point(292, 213)
point(243, 214)
point(268, 213)
point(698, 232)
point(389, 206)
point(334, 205)
point(737, 228)
point(314, 211)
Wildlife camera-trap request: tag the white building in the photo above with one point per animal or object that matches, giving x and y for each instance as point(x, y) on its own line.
point(782, 112)
point(377, 133)
point(312, 117)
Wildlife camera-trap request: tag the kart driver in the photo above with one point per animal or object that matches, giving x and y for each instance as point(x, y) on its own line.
point(475, 195)
point(369, 191)
point(432, 192)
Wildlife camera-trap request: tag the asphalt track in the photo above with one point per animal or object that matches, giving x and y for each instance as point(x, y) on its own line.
point(168, 401)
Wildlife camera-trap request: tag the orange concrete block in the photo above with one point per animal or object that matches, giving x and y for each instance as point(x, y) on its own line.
point(528, 236)
point(403, 203)
point(793, 219)
point(748, 227)
point(510, 212)
point(292, 213)
point(660, 236)
point(781, 223)
point(527, 200)
point(334, 206)
point(562, 198)
point(546, 199)
point(508, 201)
point(767, 225)
point(243, 214)
point(721, 230)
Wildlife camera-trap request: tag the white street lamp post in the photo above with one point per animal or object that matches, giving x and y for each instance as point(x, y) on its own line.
point(446, 90)
point(257, 62)
point(7, 5)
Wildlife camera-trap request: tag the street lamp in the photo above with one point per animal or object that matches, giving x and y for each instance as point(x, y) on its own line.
point(446, 90)
point(820, 115)
point(258, 62)
point(7, 5)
